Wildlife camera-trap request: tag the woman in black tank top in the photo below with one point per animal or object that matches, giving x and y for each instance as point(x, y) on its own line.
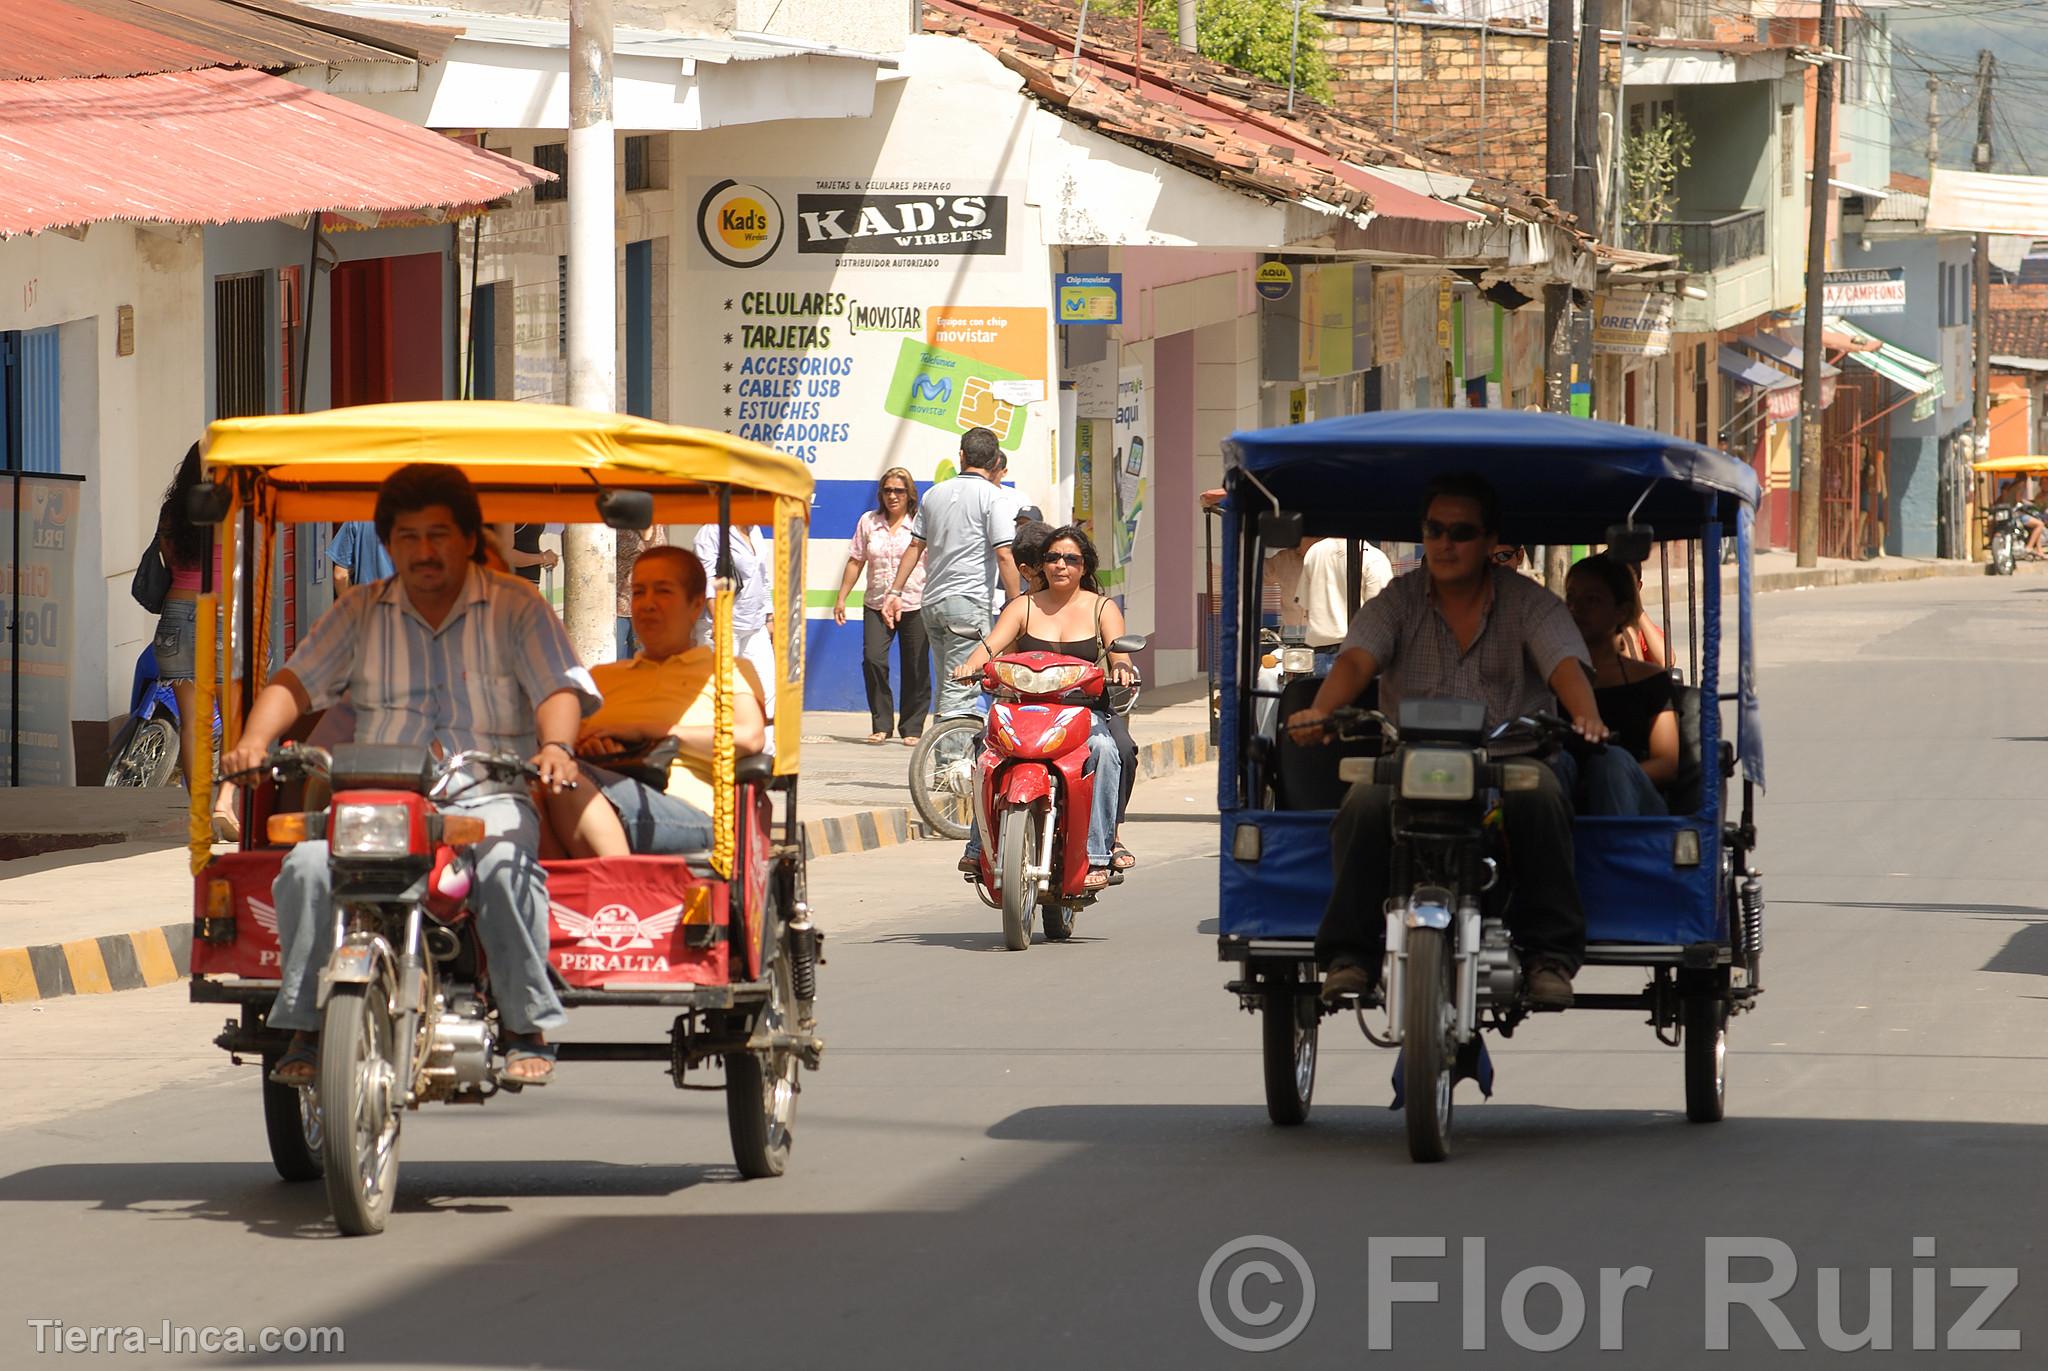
point(1636, 700)
point(1073, 618)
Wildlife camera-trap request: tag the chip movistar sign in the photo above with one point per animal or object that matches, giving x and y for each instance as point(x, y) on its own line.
point(903, 225)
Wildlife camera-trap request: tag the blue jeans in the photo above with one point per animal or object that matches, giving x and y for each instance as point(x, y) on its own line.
point(624, 640)
point(1108, 767)
point(656, 822)
point(1608, 784)
point(509, 897)
point(955, 624)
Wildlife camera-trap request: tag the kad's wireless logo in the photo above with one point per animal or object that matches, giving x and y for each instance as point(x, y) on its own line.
point(739, 224)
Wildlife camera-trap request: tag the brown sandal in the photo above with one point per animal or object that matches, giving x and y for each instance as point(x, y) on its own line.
point(1098, 877)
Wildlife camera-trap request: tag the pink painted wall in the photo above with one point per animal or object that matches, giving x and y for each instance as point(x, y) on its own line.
point(1146, 268)
point(1173, 420)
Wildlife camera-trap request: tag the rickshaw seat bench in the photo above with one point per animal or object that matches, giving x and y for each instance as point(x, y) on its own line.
point(1632, 891)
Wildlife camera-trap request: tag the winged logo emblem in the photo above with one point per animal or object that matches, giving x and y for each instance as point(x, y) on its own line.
point(616, 928)
point(264, 913)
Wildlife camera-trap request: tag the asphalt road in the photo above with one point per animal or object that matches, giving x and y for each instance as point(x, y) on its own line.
point(1021, 1160)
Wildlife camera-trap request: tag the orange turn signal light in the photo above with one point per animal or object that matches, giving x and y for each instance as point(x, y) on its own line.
point(287, 828)
point(459, 830)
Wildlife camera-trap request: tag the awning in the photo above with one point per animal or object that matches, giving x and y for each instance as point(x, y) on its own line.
point(1789, 355)
point(222, 146)
point(1906, 370)
point(1980, 202)
point(1753, 372)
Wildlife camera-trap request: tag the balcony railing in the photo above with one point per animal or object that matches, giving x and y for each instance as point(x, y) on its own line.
point(1705, 245)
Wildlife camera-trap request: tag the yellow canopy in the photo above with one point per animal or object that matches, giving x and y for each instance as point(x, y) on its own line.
point(529, 462)
point(2011, 466)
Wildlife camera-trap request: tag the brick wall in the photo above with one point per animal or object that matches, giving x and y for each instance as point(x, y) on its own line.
point(1444, 86)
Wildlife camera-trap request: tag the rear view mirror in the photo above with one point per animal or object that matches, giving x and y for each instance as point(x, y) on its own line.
point(1129, 643)
point(207, 503)
point(1630, 542)
point(1280, 529)
point(626, 509)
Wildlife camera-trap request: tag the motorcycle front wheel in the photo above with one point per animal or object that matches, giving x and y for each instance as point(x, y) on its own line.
point(1429, 1054)
point(942, 775)
point(361, 1094)
point(1018, 846)
point(148, 758)
point(2001, 554)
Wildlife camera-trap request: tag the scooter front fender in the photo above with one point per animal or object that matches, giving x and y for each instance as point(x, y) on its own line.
point(1023, 786)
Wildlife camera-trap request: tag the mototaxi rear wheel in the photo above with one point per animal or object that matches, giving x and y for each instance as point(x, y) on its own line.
point(1703, 1029)
point(1288, 1029)
point(293, 1126)
point(761, 1088)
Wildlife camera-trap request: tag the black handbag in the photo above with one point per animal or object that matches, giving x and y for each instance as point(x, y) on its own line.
point(152, 583)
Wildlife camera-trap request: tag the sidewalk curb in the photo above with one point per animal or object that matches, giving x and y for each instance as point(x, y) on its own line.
point(873, 828)
point(96, 966)
point(1814, 577)
point(157, 956)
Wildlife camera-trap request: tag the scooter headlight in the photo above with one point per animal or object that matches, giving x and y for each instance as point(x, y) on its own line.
point(1298, 661)
point(1438, 773)
point(1054, 680)
point(371, 831)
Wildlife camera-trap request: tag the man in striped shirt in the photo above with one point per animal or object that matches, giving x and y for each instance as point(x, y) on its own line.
point(451, 656)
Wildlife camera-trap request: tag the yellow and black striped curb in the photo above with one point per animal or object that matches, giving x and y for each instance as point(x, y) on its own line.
point(873, 828)
point(96, 966)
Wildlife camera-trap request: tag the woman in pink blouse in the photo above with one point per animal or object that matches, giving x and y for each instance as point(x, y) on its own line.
point(880, 540)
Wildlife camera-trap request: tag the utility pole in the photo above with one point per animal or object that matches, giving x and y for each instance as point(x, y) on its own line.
point(1586, 119)
point(589, 605)
point(1933, 126)
point(1557, 184)
point(1187, 26)
point(1558, 150)
point(1823, 194)
point(1980, 399)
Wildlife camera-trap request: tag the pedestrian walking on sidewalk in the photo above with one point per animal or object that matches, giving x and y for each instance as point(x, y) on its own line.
point(753, 606)
point(880, 540)
point(961, 534)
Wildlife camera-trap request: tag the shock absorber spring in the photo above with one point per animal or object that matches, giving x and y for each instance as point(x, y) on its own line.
point(803, 947)
point(1752, 897)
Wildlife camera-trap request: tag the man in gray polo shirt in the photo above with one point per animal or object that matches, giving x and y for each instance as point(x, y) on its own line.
point(961, 534)
point(1457, 627)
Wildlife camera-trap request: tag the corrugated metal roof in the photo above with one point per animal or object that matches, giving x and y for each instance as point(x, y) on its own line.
point(54, 40)
point(221, 146)
point(1900, 207)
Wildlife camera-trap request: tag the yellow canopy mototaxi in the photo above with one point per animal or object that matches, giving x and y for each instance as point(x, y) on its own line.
point(722, 937)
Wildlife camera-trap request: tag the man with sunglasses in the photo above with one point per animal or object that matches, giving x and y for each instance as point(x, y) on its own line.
point(1459, 626)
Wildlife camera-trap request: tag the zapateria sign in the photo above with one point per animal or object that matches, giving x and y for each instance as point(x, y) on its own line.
point(903, 225)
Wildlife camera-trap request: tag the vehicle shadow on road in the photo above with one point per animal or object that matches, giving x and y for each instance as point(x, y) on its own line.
point(974, 940)
point(251, 1196)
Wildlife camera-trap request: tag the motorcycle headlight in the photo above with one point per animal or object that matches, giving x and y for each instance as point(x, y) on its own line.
point(1053, 680)
point(1430, 773)
point(1298, 661)
point(370, 831)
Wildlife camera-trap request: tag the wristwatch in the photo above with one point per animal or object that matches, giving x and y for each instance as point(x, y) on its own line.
point(556, 742)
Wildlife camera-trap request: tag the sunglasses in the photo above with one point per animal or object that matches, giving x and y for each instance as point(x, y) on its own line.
point(894, 490)
point(1064, 559)
point(1457, 533)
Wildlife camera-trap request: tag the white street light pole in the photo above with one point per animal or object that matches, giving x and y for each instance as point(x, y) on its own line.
point(589, 608)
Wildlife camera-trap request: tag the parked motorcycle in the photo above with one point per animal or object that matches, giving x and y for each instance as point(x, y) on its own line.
point(145, 752)
point(1034, 787)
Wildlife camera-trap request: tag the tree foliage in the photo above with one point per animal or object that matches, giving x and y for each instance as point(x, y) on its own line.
point(1256, 36)
point(1651, 159)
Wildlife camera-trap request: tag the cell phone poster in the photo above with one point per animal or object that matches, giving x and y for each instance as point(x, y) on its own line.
point(1129, 471)
point(35, 686)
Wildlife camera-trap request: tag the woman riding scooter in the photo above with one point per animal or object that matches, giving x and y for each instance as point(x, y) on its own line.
point(1069, 616)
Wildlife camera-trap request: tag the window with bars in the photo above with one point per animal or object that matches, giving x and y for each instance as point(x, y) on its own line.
point(1788, 151)
point(640, 174)
point(552, 157)
point(241, 340)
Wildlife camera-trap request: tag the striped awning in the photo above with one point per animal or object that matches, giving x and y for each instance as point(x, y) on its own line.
point(1907, 370)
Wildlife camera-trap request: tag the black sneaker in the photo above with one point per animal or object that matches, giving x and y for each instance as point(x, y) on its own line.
point(1346, 978)
point(1548, 984)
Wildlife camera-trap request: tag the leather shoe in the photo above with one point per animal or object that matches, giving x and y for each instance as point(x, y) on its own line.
point(1548, 985)
point(1347, 978)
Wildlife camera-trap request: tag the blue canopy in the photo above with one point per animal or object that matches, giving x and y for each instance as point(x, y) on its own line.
point(1561, 480)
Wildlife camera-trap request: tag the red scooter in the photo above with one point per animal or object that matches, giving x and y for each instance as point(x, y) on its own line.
point(1034, 787)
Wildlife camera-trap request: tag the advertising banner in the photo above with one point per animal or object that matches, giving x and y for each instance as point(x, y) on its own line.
point(37, 629)
point(1132, 434)
point(1091, 299)
point(1633, 324)
point(1865, 291)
